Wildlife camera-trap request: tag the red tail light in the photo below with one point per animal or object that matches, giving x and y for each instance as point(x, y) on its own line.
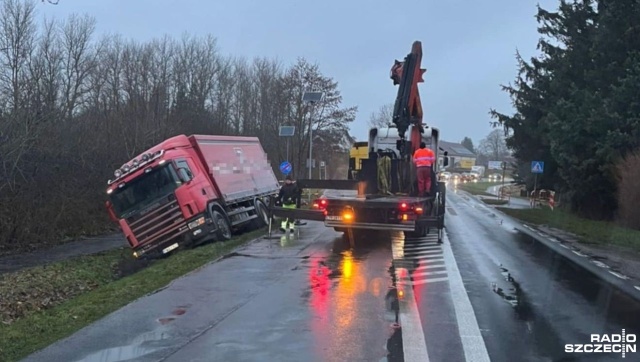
point(320, 204)
point(404, 206)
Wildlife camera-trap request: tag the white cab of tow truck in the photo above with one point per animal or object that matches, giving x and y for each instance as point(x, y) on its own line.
point(385, 138)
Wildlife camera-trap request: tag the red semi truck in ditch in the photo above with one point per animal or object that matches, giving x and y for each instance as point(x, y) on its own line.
point(189, 190)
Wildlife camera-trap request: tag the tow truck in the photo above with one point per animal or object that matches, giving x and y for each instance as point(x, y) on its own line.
point(401, 209)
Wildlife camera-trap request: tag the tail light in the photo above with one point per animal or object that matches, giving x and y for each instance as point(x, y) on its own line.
point(320, 204)
point(404, 206)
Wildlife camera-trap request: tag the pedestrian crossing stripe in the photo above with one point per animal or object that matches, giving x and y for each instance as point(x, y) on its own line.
point(421, 258)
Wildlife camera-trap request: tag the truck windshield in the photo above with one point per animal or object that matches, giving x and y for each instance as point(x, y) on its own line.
point(144, 190)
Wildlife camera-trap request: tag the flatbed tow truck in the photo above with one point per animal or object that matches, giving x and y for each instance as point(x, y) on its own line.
point(399, 208)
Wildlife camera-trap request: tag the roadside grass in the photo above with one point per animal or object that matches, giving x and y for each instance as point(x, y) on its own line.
point(75, 293)
point(589, 231)
point(494, 201)
point(477, 188)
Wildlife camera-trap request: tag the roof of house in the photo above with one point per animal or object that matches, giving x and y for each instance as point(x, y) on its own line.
point(456, 149)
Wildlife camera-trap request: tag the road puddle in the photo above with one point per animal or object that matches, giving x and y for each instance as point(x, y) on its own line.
point(142, 345)
point(510, 293)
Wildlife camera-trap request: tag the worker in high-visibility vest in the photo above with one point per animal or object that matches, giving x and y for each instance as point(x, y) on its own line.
point(424, 158)
point(288, 197)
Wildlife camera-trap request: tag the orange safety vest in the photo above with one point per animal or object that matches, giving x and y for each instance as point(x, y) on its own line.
point(423, 157)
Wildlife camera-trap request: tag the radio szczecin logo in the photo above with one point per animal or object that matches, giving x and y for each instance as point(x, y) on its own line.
point(605, 343)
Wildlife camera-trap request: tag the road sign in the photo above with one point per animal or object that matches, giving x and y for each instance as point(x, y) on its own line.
point(287, 131)
point(537, 167)
point(495, 165)
point(286, 167)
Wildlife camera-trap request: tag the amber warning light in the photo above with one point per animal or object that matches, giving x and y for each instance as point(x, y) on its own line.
point(347, 215)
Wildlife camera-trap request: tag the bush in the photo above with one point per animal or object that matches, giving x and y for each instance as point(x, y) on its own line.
point(629, 191)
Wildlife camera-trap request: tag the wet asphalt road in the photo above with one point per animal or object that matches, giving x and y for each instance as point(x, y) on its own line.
point(529, 301)
point(488, 291)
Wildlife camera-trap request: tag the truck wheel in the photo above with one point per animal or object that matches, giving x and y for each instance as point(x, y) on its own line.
point(224, 229)
point(262, 213)
point(419, 232)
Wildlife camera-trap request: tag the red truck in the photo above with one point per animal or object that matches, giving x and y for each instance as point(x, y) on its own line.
point(189, 190)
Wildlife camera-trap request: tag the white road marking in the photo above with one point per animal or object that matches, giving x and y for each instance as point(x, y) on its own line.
point(429, 266)
point(621, 276)
point(423, 281)
point(600, 264)
point(422, 252)
point(426, 247)
point(414, 345)
point(419, 274)
point(470, 336)
point(428, 258)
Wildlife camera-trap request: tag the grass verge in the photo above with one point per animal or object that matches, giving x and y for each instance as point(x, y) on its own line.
point(494, 201)
point(589, 231)
point(39, 327)
point(477, 188)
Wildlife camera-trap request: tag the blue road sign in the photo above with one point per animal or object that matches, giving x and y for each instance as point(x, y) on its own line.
point(286, 167)
point(537, 167)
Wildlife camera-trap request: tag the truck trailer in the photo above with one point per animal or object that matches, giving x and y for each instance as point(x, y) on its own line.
point(189, 190)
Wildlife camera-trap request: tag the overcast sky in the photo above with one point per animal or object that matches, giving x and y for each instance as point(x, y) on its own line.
point(468, 45)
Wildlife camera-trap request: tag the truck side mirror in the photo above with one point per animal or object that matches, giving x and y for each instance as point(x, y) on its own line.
point(445, 161)
point(185, 175)
point(112, 215)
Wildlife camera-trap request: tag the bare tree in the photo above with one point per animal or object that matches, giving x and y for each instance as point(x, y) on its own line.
point(494, 145)
point(382, 117)
point(78, 60)
point(75, 108)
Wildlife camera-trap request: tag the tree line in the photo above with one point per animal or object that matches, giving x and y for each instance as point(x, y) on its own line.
point(74, 107)
point(577, 106)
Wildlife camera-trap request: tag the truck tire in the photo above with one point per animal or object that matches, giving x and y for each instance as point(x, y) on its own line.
point(419, 232)
point(262, 213)
point(223, 232)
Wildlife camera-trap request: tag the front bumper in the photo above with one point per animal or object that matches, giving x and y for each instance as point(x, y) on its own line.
point(405, 226)
point(187, 237)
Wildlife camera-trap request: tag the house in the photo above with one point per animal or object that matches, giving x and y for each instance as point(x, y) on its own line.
point(460, 158)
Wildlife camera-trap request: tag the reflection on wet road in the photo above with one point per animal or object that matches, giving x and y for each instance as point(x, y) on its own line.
point(488, 291)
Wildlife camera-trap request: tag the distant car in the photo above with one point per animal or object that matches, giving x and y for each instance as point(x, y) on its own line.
point(444, 176)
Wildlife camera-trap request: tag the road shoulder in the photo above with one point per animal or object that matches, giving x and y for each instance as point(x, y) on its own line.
point(597, 262)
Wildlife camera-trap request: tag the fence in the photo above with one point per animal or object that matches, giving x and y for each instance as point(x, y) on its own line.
point(537, 198)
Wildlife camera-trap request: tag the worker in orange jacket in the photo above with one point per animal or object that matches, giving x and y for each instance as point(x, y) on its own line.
point(424, 159)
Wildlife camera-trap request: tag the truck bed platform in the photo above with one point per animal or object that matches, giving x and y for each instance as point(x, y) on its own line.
point(374, 200)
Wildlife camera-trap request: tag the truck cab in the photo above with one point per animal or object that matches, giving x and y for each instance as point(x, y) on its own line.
point(153, 200)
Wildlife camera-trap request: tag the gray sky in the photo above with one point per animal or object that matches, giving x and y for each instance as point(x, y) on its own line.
point(468, 45)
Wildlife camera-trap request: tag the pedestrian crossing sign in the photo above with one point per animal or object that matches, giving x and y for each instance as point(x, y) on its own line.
point(537, 167)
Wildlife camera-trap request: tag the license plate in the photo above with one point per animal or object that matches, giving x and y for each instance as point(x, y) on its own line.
point(169, 248)
point(334, 217)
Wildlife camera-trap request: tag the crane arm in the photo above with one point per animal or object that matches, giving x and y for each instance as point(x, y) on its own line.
point(408, 109)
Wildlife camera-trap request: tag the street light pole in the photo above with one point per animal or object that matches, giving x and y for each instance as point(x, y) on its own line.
point(310, 143)
point(311, 98)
